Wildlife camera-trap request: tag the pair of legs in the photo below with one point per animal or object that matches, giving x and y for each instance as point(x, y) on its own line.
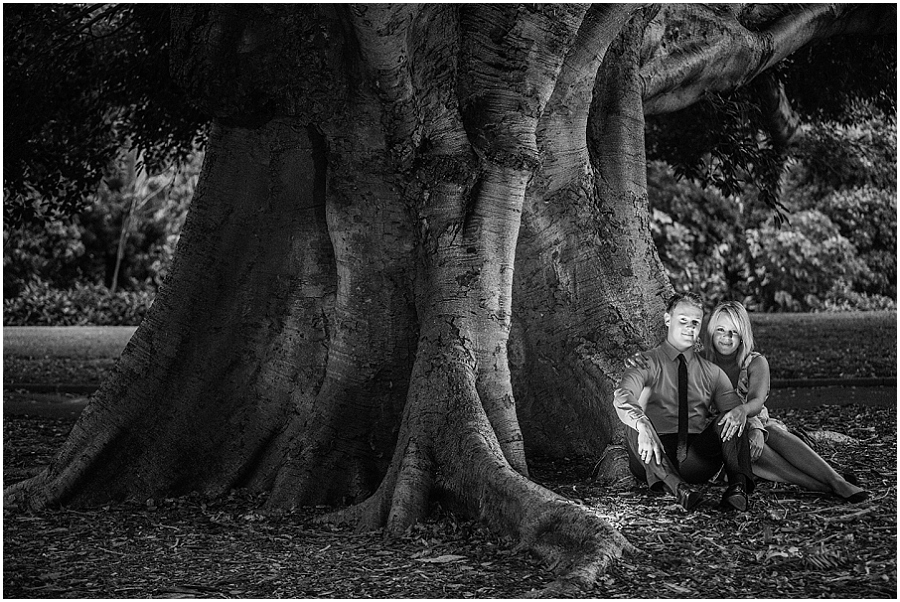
point(787, 459)
point(706, 452)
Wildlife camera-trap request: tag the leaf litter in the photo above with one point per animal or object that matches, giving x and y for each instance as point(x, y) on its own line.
point(791, 544)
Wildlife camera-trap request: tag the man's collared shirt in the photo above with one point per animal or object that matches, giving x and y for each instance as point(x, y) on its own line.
point(652, 392)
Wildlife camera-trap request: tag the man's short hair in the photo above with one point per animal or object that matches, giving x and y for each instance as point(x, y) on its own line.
point(690, 298)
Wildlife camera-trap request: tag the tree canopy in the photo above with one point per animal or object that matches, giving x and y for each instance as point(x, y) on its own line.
point(716, 140)
point(83, 81)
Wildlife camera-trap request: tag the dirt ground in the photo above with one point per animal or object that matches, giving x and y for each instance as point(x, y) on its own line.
point(792, 543)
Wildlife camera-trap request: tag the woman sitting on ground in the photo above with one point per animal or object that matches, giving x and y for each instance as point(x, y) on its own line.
point(777, 454)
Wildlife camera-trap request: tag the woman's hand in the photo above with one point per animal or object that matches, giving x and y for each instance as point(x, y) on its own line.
point(638, 360)
point(757, 442)
point(733, 422)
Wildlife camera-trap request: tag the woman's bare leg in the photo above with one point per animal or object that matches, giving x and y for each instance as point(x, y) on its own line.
point(772, 466)
point(806, 460)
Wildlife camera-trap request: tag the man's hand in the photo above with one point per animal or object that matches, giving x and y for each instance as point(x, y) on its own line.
point(734, 421)
point(757, 442)
point(649, 446)
point(638, 360)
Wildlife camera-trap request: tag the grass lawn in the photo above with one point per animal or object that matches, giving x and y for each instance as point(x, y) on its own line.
point(823, 345)
point(828, 345)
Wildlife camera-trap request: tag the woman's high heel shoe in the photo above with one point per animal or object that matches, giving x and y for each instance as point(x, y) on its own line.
point(854, 498)
point(859, 496)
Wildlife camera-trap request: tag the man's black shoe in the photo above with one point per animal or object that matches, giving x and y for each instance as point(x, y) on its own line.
point(687, 497)
point(735, 498)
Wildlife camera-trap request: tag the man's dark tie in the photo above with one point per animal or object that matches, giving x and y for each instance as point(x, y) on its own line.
point(682, 408)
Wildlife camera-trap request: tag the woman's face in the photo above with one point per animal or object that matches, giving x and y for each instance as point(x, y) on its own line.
point(725, 337)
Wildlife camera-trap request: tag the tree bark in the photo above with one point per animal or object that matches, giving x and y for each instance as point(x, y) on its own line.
point(235, 339)
point(419, 252)
point(590, 286)
point(737, 47)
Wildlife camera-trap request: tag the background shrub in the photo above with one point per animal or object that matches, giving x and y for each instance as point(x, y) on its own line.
point(867, 217)
point(103, 265)
point(84, 304)
point(836, 251)
point(797, 268)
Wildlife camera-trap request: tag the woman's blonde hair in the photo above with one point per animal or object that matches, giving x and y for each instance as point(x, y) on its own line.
point(736, 312)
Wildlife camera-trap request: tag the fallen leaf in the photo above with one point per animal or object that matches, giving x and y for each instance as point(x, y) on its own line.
point(442, 559)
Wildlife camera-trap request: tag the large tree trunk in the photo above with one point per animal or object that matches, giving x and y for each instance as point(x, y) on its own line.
point(236, 339)
point(589, 284)
point(419, 250)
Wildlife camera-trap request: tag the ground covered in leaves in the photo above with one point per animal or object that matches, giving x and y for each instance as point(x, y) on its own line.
point(791, 544)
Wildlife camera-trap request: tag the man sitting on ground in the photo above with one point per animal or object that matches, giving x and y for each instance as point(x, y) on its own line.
point(672, 437)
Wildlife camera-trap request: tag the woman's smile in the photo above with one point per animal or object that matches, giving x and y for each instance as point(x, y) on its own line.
point(726, 347)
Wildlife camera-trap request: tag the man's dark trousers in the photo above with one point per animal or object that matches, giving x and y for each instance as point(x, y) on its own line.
point(706, 453)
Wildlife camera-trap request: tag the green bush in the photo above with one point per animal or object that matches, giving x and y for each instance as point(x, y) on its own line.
point(84, 248)
point(699, 234)
point(802, 266)
point(838, 251)
point(832, 156)
point(51, 252)
point(60, 272)
point(38, 304)
point(867, 217)
point(842, 298)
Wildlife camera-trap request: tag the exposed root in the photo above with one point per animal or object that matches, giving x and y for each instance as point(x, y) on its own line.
point(612, 469)
point(448, 445)
point(368, 515)
point(579, 546)
point(15, 497)
point(400, 501)
point(409, 502)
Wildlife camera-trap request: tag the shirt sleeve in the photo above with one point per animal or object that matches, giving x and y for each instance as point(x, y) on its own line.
point(626, 395)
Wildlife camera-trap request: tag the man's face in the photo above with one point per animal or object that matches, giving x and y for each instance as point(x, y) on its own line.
point(684, 325)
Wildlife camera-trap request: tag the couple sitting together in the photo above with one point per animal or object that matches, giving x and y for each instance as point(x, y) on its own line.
point(688, 413)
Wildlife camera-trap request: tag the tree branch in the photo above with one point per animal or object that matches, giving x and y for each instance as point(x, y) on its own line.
point(732, 55)
point(71, 37)
point(781, 121)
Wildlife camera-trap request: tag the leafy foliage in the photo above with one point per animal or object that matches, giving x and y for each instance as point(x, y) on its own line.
point(59, 260)
point(80, 83)
point(835, 155)
point(716, 143)
point(838, 250)
point(699, 235)
point(848, 172)
point(85, 304)
point(867, 217)
point(826, 79)
point(722, 140)
point(63, 251)
point(795, 268)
